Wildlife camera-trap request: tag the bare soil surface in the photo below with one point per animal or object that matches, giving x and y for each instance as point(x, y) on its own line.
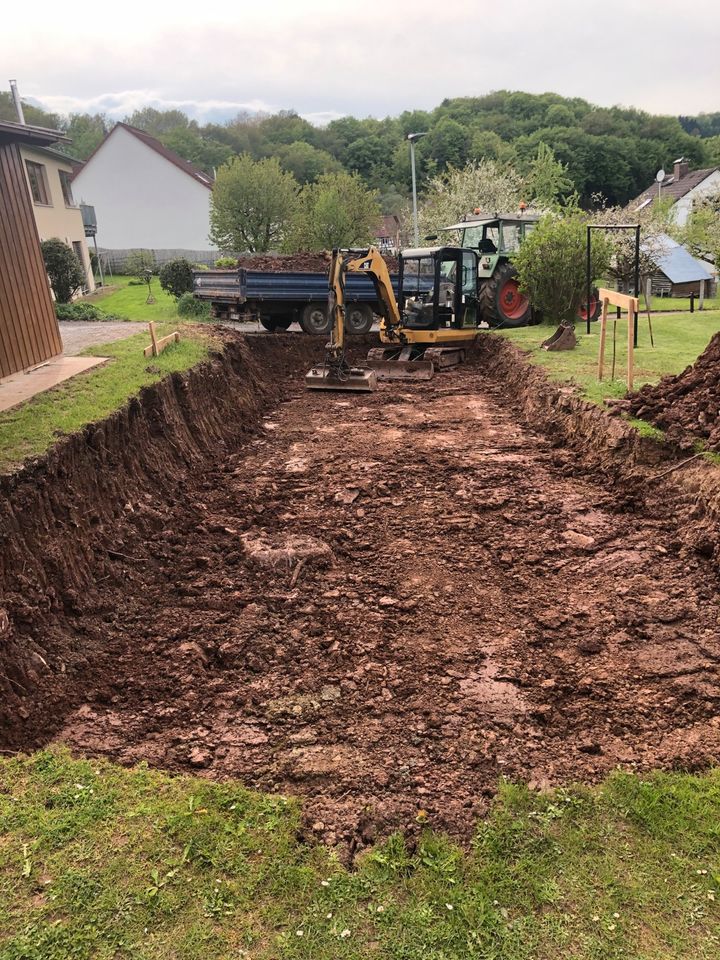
point(385, 602)
point(77, 335)
point(301, 262)
point(686, 405)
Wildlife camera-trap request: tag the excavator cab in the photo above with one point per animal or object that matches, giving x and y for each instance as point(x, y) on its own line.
point(438, 288)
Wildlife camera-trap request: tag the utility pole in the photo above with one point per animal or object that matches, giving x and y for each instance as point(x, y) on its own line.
point(412, 137)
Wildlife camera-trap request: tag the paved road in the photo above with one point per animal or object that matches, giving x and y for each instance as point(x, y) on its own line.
point(79, 334)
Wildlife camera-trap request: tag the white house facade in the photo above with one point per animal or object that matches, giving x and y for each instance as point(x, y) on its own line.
point(682, 208)
point(683, 187)
point(144, 195)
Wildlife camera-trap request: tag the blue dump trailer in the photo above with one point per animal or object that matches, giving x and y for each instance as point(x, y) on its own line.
point(279, 299)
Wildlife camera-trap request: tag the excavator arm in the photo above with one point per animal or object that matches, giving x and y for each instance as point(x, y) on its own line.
point(336, 373)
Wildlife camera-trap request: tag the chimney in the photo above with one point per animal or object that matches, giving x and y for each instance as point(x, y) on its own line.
point(680, 168)
point(17, 101)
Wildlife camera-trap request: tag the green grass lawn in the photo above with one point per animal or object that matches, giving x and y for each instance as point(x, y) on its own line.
point(680, 303)
point(102, 863)
point(30, 429)
point(679, 340)
point(129, 302)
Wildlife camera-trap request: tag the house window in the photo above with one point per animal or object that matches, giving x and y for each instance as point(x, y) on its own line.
point(38, 182)
point(65, 183)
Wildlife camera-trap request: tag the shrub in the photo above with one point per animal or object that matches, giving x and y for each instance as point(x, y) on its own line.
point(190, 306)
point(139, 263)
point(176, 277)
point(551, 265)
point(82, 310)
point(226, 263)
point(65, 271)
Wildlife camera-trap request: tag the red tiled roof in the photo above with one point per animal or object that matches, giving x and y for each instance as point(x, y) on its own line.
point(672, 187)
point(158, 147)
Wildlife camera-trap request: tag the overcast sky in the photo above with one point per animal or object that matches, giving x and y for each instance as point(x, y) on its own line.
point(327, 59)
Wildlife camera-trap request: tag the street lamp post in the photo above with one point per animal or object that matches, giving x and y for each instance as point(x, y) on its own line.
point(412, 137)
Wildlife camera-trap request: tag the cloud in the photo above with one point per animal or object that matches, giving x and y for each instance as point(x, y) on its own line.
point(326, 60)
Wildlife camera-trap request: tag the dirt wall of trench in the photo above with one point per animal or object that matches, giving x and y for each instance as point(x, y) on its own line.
point(59, 512)
point(606, 440)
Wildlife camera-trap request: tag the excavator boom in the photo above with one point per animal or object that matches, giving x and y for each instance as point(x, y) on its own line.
point(335, 373)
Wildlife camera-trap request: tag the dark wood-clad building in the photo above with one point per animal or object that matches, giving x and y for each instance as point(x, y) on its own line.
point(29, 332)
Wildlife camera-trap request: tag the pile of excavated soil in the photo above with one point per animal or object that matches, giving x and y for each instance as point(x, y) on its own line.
point(686, 406)
point(382, 603)
point(300, 262)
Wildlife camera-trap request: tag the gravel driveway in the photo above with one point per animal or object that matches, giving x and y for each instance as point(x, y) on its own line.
point(79, 334)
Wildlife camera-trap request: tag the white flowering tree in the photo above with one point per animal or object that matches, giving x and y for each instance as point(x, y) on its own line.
point(485, 184)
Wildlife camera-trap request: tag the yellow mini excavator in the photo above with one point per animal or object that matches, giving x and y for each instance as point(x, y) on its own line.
point(430, 325)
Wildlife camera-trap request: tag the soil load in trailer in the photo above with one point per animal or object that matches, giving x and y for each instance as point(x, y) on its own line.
point(382, 603)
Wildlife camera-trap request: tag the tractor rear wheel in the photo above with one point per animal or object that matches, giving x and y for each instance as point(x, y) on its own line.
point(595, 306)
point(501, 303)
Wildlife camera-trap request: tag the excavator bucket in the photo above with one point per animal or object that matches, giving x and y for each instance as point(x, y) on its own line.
point(563, 339)
point(354, 379)
point(391, 363)
point(402, 369)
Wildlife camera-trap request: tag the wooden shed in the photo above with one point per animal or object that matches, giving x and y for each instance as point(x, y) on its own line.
point(29, 333)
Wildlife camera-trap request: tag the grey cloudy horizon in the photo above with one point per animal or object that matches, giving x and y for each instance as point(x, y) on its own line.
point(325, 59)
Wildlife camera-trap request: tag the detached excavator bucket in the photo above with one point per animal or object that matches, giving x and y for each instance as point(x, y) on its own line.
point(402, 369)
point(563, 339)
point(354, 379)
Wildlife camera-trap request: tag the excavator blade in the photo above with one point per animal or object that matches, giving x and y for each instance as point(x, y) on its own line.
point(356, 379)
point(402, 369)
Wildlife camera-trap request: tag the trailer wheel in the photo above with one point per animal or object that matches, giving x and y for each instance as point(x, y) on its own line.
point(501, 301)
point(358, 318)
point(275, 323)
point(315, 320)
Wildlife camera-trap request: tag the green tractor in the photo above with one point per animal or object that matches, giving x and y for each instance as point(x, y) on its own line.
point(500, 302)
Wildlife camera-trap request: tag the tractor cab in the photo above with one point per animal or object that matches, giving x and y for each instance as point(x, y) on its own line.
point(438, 288)
point(495, 238)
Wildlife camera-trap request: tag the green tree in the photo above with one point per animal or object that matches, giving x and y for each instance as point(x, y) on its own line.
point(204, 152)
point(252, 203)
point(64, 270)
point(305, 162)
point(337, 211)
point(86, 132)
point(176, 277)
point(551, 265)
point(547, 179)
point(159, 122)
point(140, 263)
point(35, 116)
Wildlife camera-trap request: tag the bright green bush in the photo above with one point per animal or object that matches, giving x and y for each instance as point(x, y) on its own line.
point(65, 271)
point(82, 310)
point(551, 265)
point(190, 306)
point(226, 263)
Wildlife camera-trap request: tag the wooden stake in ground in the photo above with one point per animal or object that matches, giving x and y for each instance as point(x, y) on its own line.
point(157, 346)
point(603, 328)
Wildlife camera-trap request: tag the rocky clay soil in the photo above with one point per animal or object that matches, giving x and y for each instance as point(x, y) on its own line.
point(301, 262)
point(383, 603)
point(687, 405)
